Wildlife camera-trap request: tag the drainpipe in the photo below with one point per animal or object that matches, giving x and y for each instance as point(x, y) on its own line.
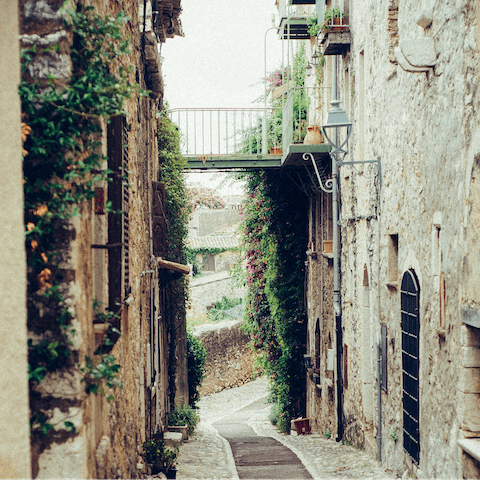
point(379, 336)
point(379, 429)
point(337, 306)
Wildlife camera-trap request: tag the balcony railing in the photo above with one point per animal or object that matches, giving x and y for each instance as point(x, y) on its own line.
point(226, 135)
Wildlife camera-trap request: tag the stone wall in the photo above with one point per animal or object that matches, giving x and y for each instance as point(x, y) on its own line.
point(206, 222)
point(229, 360)
point(420, 215)
point(207, 290)
point(107, 436)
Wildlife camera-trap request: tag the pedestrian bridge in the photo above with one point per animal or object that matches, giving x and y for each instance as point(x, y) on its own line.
point(244, 138)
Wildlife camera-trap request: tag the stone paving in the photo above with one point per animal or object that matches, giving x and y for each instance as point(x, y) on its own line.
point(206, 455)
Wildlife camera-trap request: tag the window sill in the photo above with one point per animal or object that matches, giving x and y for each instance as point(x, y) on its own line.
point(470, 446)
point(328, 255)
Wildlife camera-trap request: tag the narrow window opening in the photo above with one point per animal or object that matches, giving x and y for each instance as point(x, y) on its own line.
point(393, 258)
point(383, 357)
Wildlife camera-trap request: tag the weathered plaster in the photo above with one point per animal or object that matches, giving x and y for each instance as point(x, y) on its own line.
point(14, 404)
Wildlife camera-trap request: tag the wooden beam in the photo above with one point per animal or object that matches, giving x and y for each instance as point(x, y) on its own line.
point(176, 267)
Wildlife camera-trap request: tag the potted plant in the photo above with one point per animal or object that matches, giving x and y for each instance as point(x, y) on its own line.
point(160, 457)
point(333, 19)
point(182, 415)
point(338, 16)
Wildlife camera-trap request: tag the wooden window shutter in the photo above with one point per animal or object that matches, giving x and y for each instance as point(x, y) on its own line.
point(159, 224)
point(117, 152)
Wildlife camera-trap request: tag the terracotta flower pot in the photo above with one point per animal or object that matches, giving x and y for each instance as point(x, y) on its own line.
point(302, 426)
point(276, 151)
point(313, 135)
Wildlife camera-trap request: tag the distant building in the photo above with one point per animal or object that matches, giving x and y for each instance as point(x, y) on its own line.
point(213, 235)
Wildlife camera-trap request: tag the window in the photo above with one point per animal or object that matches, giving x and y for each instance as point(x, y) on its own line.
point(159, 222)
point(383, 357)
point(393, 258)
point(317, 345)
point(313, 223)
point(410, 305)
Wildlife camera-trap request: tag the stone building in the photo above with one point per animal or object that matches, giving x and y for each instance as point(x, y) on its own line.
point(394, 368)
point(114, 260)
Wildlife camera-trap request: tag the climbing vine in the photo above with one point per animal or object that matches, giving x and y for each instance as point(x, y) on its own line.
point(61, 131)
point(275, 227)
point(171, 172)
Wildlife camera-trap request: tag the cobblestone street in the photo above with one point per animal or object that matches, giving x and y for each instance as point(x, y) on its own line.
point(208, 455)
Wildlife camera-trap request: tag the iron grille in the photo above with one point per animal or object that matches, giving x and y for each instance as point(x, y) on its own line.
point(410, 301)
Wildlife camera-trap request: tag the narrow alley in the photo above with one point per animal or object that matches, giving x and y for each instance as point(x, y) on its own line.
point(208, 453)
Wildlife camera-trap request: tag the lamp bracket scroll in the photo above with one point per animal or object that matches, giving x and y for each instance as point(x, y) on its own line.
point(328, 186)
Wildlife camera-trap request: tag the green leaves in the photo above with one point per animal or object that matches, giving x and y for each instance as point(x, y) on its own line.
point(275, 237)
point(196, 356)
point(61, 128)
point(96, 374)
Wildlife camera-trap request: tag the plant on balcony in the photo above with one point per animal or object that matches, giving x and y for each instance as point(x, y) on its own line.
point(332, 17)
point(314, 28)
point(252, 137)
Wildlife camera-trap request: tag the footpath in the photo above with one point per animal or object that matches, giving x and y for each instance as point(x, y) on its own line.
point(207, 455)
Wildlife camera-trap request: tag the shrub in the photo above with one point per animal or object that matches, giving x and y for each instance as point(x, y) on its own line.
point(158, 455)
point(217, 313)
point(274, 415)
point(196, 356)
point(182, 415)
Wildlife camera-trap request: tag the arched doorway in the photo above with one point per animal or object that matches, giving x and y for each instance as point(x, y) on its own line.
point(410, 306)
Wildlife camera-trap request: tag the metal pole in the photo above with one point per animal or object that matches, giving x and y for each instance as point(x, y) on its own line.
point(337, 306)
point(379, 430)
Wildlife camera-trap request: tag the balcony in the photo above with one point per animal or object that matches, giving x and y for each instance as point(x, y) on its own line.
point(335, 33)
point(248, 138)
point(295, 19)
point(229, 138)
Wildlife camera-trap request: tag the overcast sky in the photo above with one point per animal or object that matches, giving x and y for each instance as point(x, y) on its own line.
point(220, 61)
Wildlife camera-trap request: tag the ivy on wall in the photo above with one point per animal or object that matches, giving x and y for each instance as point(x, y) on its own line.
point(171, 172)
point(61, 131)
point(275, 236)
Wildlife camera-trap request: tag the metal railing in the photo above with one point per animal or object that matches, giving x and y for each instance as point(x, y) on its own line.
point(335, 18)
point(228, 131)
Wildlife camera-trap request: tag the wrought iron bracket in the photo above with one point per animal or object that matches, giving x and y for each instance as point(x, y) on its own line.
point(328, 187)
point(377, 161)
